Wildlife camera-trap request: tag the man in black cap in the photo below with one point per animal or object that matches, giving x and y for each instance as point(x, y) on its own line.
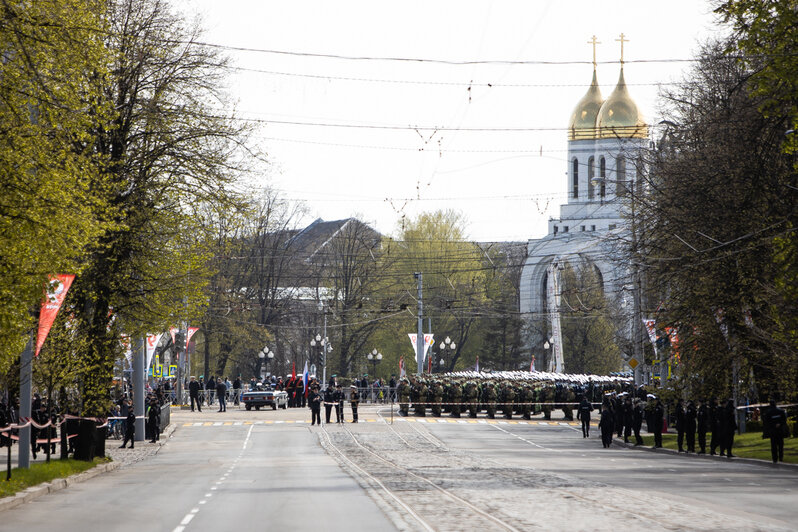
point(314, 401)
point(583, 414)
point(339, 397)
point(130, 428)
point(193, 393)
point(329, 402)
point(154, 420)
point(354, 400)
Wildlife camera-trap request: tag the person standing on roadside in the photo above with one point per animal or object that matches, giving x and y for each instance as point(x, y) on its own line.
point(339, 398)
point(236, 390)
point(727, 425)
point(606, 425)
point(329, 402)
point(679, 415)
point(657, 413)
point(193, 393)
point(210, 387)
point(154, 420)
point(130, 428)
point(775, 427)
point(637, 421)
point(354, 401)
point(314, 401)
point(221, 392)
point(702, 423)
point(714, 426)
point(583, 414)
point(690, 415)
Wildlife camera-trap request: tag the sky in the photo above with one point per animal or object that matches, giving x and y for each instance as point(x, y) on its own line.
point(409, 144)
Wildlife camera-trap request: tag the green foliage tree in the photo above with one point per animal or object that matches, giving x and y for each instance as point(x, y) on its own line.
point(587, 329)
point(167, 152)
point(719, 201)
point(52, 54)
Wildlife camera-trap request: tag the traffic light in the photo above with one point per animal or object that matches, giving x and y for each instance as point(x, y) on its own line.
point(180, 341)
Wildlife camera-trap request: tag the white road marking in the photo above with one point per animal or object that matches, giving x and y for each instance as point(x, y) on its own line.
point(187, 519)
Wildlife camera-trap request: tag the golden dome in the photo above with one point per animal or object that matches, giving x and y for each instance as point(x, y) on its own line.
point(583, 120)
point(619, 116)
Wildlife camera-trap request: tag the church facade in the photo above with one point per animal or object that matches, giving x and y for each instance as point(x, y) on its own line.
point(604, 136)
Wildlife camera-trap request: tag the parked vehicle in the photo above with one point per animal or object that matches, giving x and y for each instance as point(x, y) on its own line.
point(258, 398)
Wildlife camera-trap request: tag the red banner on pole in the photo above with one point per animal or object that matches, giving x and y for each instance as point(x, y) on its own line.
point(54, 297)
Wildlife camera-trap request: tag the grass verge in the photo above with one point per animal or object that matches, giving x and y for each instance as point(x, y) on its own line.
point(43, 472)
point(748, 445)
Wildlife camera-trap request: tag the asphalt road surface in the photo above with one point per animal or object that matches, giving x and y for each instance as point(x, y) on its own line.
point(262, 470)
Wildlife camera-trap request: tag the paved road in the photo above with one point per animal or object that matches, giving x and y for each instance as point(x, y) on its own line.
point(242, 469)
point(759, 492)
point(214, 478)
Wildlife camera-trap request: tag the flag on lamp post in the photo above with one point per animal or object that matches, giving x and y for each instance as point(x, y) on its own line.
point(54, 298)
point(305, 378)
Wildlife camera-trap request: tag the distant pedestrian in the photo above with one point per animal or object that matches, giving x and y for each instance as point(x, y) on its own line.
point(314, 401)
point(690, 415)
point(154, 420)
point(679, 417)
point(236, 390)
point(193, 393)
point(130, 428)
point(329, 402)
point(606, 425)
point(354, 401)
point(637, 421)
point(775, 427)
point(657, 414)
point(339, 404)
point(727, 424)
point(583, 414)
point(702, 424)
point(221, 392)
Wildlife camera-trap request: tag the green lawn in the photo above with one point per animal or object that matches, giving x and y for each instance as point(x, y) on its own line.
point(748, 445)
point(42, 472)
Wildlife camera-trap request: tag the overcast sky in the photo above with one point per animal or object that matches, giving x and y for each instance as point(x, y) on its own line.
point(508, 183)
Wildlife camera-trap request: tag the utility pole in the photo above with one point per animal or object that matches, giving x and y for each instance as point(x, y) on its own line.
point(324, 350)
point(25, 375)
point(139, 357)
point(420, 332)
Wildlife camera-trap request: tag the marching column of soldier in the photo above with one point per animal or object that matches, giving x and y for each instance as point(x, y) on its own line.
point(622, 407)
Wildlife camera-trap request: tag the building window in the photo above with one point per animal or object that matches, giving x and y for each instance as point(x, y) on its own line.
point(565, 229)
point(555, 229)
point(592, 227)
point(620, 176)
point(612, 226)
point(583, 228)
point(590, 177)
point(603, 176)
point(575, 177)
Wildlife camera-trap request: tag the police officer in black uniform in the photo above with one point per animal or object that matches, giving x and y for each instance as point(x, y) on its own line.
point(130, 427)
point(775, 428)
point(583, 414)
point(354, 400)
point(314, 400)
point(339, 398)
point(329, 402)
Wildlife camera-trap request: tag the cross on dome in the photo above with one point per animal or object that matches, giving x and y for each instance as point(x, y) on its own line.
point(594, 42)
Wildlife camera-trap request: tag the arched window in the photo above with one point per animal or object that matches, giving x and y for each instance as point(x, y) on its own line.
point(603, 176)
point(590, 176)
point(620, 176)
point(575, 178)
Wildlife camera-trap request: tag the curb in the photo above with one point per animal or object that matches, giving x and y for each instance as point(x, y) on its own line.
point(34, 492)
point(716, 458)
point(57, 484)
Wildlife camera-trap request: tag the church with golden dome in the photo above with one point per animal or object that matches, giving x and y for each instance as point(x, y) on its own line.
point(604, 137)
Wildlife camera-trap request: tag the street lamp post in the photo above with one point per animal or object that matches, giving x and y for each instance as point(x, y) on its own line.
point(446, 346)
point(326, 348)
point(548, 344)
point(374, 357)
point(265, 355)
